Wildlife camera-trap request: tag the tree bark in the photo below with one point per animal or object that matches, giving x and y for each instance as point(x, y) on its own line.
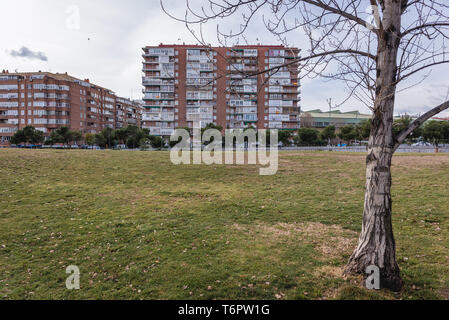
point(376, 243)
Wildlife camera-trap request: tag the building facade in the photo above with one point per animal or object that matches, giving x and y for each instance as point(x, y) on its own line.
point(47, 101)
point(128, 112)
point(321, 119)
point(232, 87)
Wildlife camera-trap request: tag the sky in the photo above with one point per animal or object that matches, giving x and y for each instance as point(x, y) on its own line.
point(102, 40)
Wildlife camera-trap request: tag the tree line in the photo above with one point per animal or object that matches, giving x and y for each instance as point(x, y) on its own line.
point(433, 131)
point(133, 137)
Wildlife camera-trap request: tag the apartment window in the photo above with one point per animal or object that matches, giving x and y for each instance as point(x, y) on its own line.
point(40, 121)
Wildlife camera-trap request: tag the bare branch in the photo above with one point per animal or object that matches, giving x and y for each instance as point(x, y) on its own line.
point(418, 122)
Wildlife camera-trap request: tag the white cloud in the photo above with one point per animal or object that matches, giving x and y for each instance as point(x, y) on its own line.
point(107, 46)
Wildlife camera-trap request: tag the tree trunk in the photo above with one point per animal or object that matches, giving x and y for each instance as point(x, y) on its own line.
point(376, 243)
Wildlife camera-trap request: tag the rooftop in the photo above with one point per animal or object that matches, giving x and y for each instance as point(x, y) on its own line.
point(336, 112)
point(57, 76)
point(206, 46)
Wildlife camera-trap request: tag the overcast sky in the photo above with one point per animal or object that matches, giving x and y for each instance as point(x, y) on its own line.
point(105, 43)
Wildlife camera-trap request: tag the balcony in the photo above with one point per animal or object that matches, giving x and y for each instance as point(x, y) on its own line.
point(200, 95)
point(278, 117)
point(157, 52)
point(159, 96)
point(156, 81)
point(159, 104)
point(164, 116)
point(250, 69)
point(160, 89)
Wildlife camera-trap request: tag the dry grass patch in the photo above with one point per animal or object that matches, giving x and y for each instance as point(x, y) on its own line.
point(329, 271)
point(330, 241)
point(421, 162)
point(292, 166)
point(444, 293)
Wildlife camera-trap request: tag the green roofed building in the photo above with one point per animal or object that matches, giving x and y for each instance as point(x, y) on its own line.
point(321, 119)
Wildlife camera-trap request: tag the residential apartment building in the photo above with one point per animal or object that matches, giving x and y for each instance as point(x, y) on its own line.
point(51, 100)
point(233, 87)
point(128, 112)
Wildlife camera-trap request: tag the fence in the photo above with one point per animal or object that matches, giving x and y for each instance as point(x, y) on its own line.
point(403, 149)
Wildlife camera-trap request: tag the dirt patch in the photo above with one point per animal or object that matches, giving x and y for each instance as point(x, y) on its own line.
point(329, 271)
point(399, 160)
point(421, 162)
point(292, 165)
point(444, 293)
point(335, 246)
point(408, 161)
point(330, 241)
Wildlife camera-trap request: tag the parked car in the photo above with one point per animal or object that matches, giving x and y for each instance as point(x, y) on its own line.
point(422, 144)
point(120, 147)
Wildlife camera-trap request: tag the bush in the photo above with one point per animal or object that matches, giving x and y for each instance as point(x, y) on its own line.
point(29, 134)
point(308, 137)
point(156, 142)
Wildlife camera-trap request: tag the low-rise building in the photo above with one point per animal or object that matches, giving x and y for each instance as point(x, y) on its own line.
point(321, 119)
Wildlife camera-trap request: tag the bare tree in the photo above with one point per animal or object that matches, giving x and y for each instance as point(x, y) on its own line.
point(373, 58)
point(306, 120)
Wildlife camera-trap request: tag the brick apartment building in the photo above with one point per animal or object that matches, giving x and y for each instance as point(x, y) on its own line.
point(51, 100)
point(191, 86)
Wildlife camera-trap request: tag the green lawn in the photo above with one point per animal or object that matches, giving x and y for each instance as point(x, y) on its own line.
point(139, 227)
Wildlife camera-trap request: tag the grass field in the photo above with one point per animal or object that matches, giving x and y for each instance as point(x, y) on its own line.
point(139, 227)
